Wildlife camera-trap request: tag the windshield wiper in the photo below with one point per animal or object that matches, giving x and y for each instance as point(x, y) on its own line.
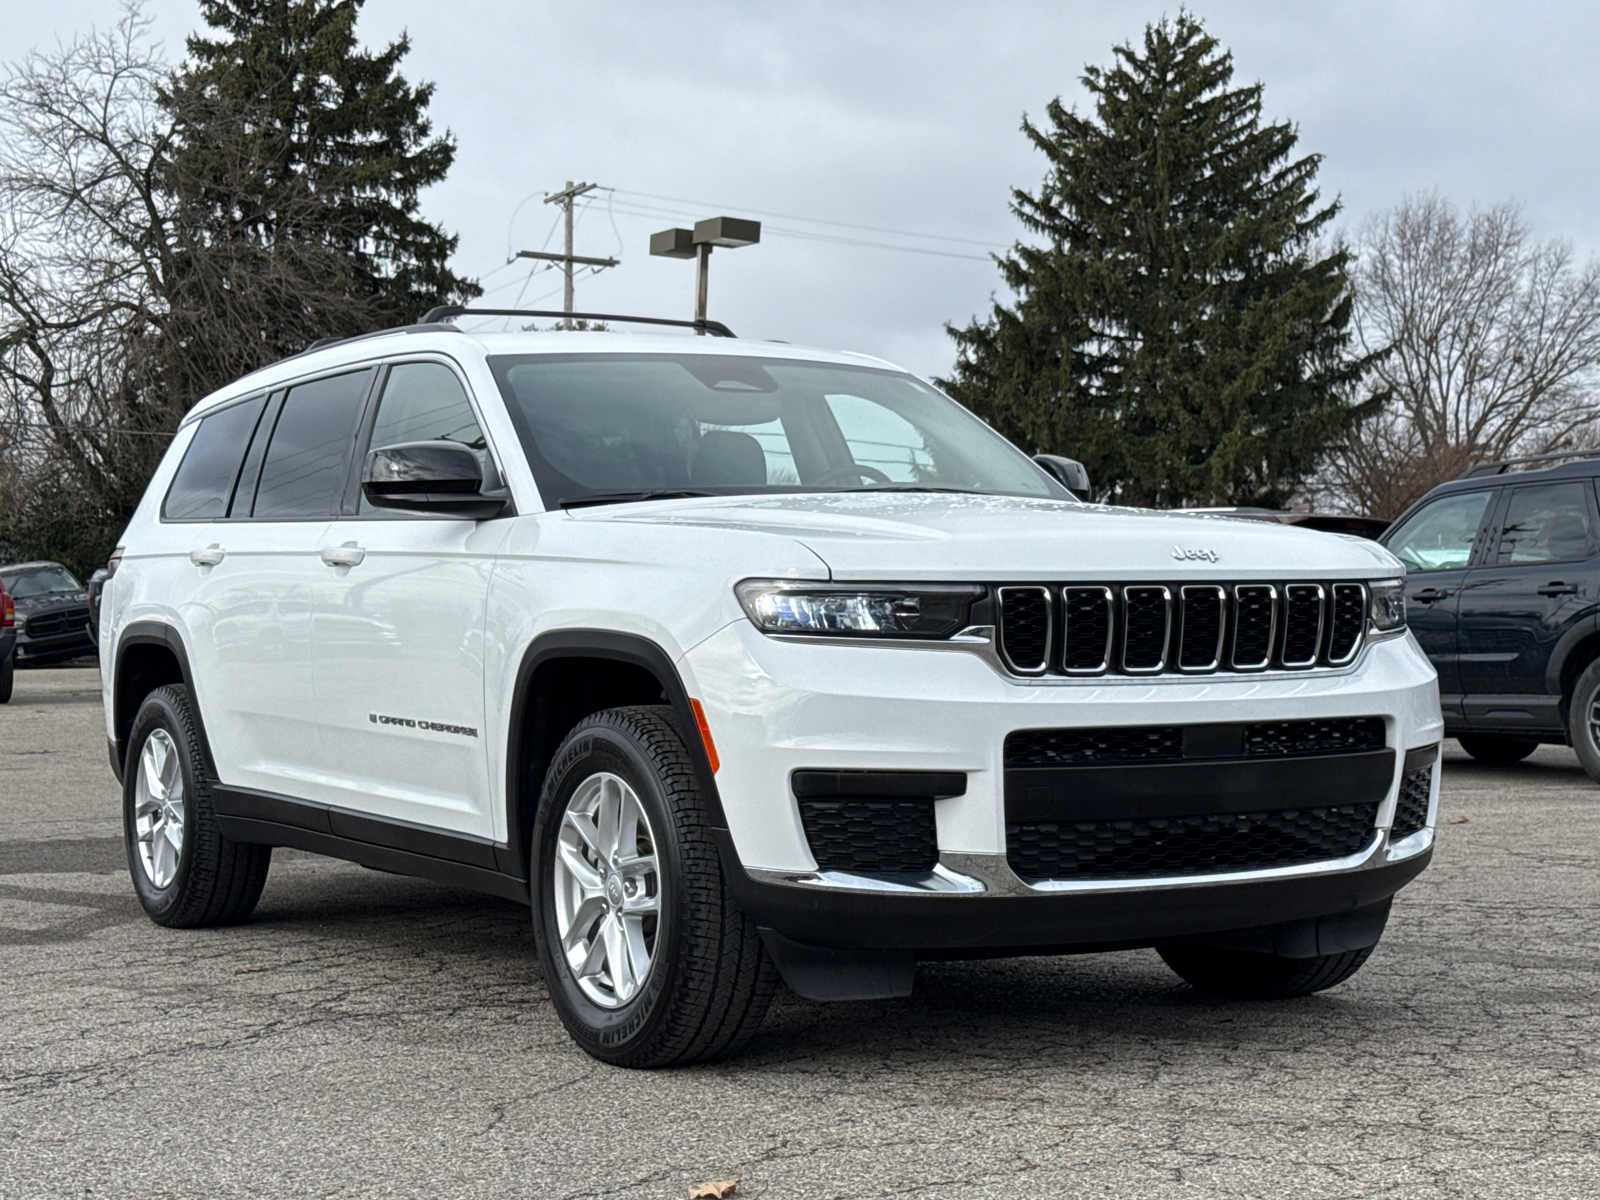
point(914, 487)
point(625, 497)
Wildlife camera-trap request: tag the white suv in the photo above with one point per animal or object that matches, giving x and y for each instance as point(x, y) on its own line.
point(740, 661)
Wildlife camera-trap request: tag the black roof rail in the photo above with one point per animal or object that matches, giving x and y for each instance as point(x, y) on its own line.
point(448, 312)
point(1498, 467)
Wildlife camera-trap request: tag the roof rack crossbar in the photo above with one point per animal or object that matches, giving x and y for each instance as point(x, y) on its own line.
point(448, 312)
point(1498, 467)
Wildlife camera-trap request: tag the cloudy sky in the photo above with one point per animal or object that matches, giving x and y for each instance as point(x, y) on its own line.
point(878, 140)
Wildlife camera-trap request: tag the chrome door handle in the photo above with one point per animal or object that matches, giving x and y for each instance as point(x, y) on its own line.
point(209, 557)
point(347, 555)
point(1557, 588)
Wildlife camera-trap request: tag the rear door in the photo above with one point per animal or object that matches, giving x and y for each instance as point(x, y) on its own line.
point(398, 628)
point(1535, 580)
point(1437, 543)
point(248, 605)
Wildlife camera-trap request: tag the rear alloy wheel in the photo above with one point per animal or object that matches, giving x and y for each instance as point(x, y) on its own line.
point(1248, 975)
point(1583, 720)
point(185, 872)
point(1504, 751)
point(648, 960)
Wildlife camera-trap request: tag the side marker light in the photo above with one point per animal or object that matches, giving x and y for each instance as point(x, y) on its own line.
point(705, 735)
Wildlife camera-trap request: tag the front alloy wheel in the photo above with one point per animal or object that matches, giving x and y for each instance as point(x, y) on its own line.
point(648, 959)
point(607, 890)
point(158, 808)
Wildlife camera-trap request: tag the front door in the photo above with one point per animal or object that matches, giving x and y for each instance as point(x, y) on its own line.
point(1535, 581)
point(1436, 544)
point(398, 631)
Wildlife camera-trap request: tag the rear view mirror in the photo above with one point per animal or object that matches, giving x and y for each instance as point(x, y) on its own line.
point(1068, 472)
point(443, 478)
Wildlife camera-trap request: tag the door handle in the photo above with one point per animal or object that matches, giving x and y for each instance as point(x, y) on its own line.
point(347, 555)
point(1557, 588)
point(1429, 595)
point(209, 557)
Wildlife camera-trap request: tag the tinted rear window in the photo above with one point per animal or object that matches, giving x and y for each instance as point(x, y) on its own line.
point(210, 466)
point(304, 472)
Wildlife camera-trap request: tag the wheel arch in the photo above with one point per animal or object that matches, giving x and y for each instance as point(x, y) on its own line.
point(149, 655)
point(569, 674)
point(1578, 647)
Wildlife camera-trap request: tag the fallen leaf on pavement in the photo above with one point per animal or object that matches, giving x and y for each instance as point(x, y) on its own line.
point(717, 1189)
point(1456, 821)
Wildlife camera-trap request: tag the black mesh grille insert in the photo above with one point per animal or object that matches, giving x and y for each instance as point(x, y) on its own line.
point(1053, 747)
point(1200, 634)
point(1302, 623)
point(1086, 639)
point(1144, 638)
point(1201, 845)
point(1347, 618)
point(870, 835)
point(1253, 605)
point(1329, 735)
point(1145, 743)
point(1412, 814)
point(1025, 627)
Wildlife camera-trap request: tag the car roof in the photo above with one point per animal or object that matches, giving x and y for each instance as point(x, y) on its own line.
point(1581, 468)
point(29, 566)
point(444, 338)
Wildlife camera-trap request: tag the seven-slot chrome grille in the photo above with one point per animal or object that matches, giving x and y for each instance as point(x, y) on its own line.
point(1192, 628)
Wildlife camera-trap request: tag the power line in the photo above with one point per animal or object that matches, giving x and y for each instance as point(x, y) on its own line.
point(628, 208)
point(697, 204)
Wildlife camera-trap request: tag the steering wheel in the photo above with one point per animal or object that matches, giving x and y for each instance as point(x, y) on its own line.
point(860, 473)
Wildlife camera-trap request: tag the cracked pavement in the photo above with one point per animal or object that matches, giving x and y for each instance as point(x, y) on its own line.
point(370, 1035)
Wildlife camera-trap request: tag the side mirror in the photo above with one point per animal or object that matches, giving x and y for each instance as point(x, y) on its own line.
point(97, 583)
point(1068, 472)
point(442, 478)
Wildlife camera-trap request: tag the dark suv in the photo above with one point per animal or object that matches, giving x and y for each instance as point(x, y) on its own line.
point(1503, 593)
point(52, 618)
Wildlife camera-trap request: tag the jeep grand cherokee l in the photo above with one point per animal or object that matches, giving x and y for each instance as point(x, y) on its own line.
point(740, 662)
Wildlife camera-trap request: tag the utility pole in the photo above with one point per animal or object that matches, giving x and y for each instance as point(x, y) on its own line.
point(565, 197)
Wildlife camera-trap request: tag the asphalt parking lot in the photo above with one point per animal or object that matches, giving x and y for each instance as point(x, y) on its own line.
point(369, 1035)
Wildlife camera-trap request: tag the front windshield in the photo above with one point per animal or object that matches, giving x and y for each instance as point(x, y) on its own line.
point(598, 425)
point(40, 581)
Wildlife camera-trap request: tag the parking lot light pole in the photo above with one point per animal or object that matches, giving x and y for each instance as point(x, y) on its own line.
point(697, 243)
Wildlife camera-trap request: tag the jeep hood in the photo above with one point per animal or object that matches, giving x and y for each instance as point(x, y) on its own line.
point(928, 536)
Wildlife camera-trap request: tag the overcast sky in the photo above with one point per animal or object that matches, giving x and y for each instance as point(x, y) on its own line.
point(903, 116)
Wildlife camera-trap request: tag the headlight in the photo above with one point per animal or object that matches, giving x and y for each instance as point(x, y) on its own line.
point(868, 610)
point(1387, 607)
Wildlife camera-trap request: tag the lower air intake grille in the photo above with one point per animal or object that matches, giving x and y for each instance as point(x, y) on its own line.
point(1054, 747)
point(1199, 845)
point(1145, 743)
point(870, 835)
point(1412, 814)
point(1337, 735)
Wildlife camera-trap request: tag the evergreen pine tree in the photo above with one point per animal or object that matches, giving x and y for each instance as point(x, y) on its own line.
point(294, 170)
point(1179, 331)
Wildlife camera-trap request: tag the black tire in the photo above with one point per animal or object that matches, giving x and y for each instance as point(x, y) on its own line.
point(1487, 748)
point(1581, 720)
point(1247, 975)
point(8, 677)
point(709, 981)
point(217, 882)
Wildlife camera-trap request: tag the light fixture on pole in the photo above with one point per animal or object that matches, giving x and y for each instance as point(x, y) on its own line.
point(697, 243)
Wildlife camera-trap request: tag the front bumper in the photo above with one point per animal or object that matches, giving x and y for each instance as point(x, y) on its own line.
point(776, 707)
